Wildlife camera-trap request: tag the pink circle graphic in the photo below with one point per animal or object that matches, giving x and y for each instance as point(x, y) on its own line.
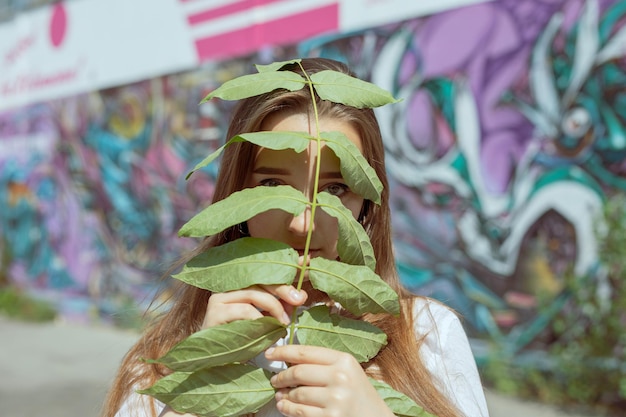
point(58, 25)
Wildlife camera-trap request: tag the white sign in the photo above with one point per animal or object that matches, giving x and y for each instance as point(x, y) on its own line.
point(363, 14)
point(78, 46)
point(85, 45)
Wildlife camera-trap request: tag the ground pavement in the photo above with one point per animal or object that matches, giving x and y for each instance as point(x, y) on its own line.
point(64, 370)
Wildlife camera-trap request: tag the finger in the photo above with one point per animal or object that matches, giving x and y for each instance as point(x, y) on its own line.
point(240, 312)
point(287, 293)
point(290, 409)
point(255, 296)
point(297, 375)
point(313, 396)
point(230, 312)
point(298, 354)
point(302, 261)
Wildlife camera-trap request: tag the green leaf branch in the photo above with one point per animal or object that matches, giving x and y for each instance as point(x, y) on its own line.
point(238, 341)
point(213, 373)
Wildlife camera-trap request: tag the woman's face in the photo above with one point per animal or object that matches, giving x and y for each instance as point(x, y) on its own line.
point(286, 167)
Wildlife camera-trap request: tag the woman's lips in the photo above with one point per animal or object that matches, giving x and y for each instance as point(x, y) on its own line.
point(312, 252)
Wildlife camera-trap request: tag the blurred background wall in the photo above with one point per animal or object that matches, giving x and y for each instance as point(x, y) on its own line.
point(505, 154)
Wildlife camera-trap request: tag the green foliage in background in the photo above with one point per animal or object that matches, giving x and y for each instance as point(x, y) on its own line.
point(17, 304)
point(212, 374)
point(585, 365)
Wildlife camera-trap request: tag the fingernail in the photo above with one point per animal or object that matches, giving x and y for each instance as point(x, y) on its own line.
point(295, 295)
point(279, 395)
point(286, 320)
point(269, 351)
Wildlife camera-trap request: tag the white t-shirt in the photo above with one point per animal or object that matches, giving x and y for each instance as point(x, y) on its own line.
point(447, 355)
point(445, 351)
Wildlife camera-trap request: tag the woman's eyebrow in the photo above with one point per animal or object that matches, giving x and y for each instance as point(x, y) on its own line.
point(282, 171)
point(330, 175)
point(270, 171)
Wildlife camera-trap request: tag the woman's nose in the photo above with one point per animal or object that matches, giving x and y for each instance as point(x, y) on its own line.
point(301, 223)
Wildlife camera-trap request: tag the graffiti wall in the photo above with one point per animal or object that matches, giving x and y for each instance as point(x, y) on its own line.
point(509, 137)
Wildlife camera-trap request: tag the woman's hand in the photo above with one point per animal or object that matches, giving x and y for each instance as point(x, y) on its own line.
point(252, 303)
point(322, 382)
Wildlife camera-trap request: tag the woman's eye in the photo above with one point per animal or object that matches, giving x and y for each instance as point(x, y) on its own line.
point(336, 189)
point(271, 182)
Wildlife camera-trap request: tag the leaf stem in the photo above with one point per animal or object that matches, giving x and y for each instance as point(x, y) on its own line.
point(318, 164)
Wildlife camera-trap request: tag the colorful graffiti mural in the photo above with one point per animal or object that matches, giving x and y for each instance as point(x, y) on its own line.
point(94, 190)
point(510, 135)
point(507, 142)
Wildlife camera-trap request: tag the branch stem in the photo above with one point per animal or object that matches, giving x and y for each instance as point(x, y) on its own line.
point(318, 164)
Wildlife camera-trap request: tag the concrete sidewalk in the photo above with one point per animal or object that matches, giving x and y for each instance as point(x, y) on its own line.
point(64, 370)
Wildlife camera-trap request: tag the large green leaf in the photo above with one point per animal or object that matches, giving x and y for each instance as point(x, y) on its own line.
point(318, 327)
point(341, 88)
point(354, 246)
point(275, 66)
point(358, 174)
point(228, 390)
point(240, 264)
point(400, 404)
point(241, 206)
point(256, 84)
point(277, 140)
point(237, 341)
point(357, 288)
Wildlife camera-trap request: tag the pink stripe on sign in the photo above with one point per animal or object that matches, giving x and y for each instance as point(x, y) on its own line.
point(240, 6)
point(276, 32)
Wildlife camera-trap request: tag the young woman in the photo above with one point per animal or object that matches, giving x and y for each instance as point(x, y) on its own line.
point(427, 356)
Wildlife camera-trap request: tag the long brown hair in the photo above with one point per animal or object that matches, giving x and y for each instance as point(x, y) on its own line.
point(399, 363)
